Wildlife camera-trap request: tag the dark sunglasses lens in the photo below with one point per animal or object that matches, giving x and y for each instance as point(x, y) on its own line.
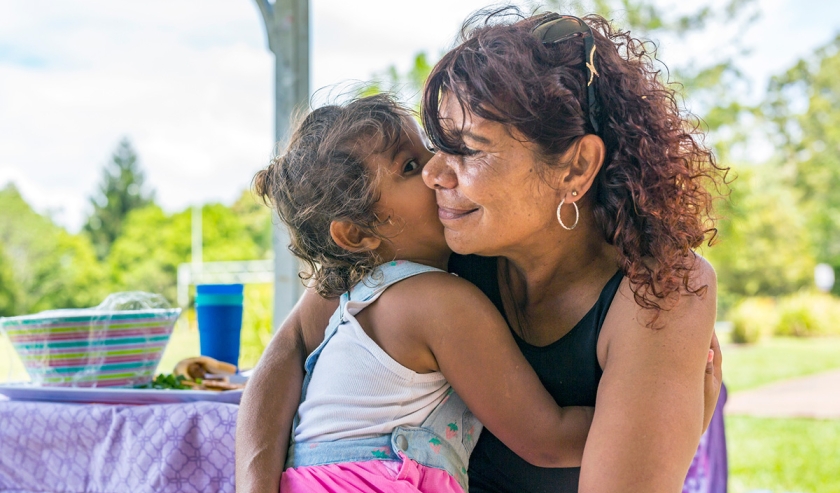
point(558, 29)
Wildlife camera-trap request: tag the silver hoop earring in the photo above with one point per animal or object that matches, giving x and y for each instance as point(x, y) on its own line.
point(560, 219)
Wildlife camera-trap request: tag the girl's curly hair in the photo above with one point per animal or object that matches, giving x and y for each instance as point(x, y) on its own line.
point(652, 198)
point(321, 177)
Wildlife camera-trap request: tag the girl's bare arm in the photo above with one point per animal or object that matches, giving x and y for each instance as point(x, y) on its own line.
point(472, 346)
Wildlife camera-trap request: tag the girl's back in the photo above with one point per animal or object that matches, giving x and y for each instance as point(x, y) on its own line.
point(357, 390)
point(359, 403)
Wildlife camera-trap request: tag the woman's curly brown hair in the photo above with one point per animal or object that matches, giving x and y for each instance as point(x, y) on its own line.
point(653, 195)
point(321, 177)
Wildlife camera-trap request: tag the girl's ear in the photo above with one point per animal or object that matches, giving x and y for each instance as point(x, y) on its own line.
point(352, 238)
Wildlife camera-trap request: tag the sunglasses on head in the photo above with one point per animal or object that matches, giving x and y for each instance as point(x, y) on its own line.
point(555, 28)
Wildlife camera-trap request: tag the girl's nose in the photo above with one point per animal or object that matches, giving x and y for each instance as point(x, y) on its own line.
point(438, 172)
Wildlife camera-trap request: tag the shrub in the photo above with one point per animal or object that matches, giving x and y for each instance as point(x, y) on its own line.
point(752, 319)
point(808, 314)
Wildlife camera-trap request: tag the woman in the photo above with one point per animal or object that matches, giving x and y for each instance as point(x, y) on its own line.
point(575, 192)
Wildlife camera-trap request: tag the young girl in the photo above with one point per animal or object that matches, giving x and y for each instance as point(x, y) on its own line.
point(377, 410)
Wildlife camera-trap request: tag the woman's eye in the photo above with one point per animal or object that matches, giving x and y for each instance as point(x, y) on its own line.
point(469, 152)
point(411, 165)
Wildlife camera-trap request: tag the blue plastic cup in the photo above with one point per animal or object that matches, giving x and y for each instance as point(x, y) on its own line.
point(219, 310)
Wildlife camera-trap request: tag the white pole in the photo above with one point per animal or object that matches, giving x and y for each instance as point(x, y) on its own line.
point(196, 241)
point(287, 29)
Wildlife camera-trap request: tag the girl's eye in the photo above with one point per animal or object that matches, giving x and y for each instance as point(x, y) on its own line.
point(411, 165)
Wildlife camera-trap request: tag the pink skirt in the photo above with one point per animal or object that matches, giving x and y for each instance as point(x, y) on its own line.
point(368, 477)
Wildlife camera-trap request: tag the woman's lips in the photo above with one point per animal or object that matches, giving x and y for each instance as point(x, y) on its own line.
point(447, 213)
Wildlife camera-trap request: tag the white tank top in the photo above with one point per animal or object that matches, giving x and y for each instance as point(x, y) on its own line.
point(358, 391)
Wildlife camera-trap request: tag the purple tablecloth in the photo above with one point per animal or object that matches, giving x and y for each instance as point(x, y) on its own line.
point(68, 448)
point(175, 448)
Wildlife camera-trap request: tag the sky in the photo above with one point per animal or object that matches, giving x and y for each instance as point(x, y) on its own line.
point(190, 82)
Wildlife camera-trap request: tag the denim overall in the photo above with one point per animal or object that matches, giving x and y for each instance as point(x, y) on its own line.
point(443, 441)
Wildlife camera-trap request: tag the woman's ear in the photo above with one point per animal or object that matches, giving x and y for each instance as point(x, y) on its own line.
point(587, 159)
point(352, 238)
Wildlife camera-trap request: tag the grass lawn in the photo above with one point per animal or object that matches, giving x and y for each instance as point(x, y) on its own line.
point(783, 455)
point(749, 366)
point(182, 344)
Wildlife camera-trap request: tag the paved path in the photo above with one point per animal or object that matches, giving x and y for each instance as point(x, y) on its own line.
point(815, 396)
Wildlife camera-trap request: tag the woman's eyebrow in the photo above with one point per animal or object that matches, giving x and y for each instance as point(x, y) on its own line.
point(476, 138)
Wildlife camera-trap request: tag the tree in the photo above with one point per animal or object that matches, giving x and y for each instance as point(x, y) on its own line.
point(707, 85)
point(408, 85)
point(763, 243)
point(120, 192)
point(146, 255)
point(256, 218)
point(9, 292)
point(50, 267)
point(802, 106)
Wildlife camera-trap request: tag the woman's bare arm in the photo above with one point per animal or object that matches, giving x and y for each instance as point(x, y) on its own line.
point(650, 404)
point(272, 396)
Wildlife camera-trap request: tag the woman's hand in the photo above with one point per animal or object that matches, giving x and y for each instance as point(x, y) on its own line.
point(714, 377)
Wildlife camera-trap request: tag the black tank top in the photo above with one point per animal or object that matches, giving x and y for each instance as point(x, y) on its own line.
point(569, 370)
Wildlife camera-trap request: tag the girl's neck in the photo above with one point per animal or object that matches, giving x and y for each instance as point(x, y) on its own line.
point(441, 262)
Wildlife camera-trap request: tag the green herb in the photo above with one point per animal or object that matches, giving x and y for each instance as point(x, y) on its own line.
point(166, 381)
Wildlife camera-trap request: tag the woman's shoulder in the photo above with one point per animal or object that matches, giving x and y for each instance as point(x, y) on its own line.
point(701, 286)
point(692, 310)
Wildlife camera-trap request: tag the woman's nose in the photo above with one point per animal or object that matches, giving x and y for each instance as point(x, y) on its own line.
point(438, 173)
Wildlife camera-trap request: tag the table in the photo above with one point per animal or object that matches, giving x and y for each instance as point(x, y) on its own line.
point(171, 448)
point(176, 448)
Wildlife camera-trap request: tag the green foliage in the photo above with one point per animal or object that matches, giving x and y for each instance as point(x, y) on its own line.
point(408, 85)
point(225, 236)
point(803, 314)
point(256, 323)
point(8, 287)
point(120, 192)
point(72, 277)
point(763, 245)
point(708, 84)
point(753, 319)
point(146, 255)
point(808, 314)
point(802, 105)
point(256, 218)
point(50, 267)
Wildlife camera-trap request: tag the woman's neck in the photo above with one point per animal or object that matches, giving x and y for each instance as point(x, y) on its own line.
point(556, 261)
